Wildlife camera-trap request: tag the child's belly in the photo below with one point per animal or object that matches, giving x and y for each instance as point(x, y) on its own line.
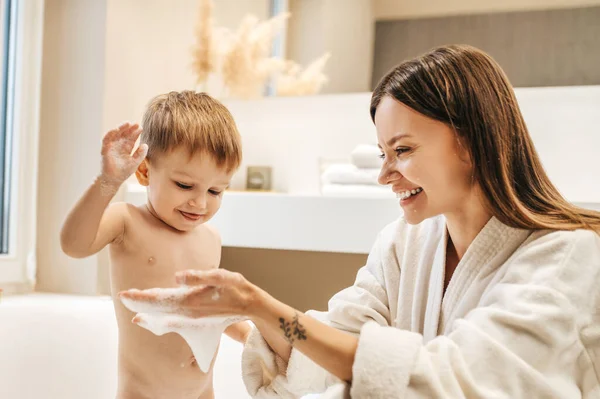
point(152, 366)
point(159, 366)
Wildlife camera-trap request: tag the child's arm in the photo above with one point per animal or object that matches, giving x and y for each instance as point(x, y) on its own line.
point(90, 226)
point(239, 331)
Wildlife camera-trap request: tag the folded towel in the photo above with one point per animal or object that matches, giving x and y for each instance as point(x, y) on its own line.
point(357, 190)
point(349, 174)
point(366, 156)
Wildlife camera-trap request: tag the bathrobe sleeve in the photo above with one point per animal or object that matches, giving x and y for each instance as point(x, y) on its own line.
point(266, 375)
point(522, 341)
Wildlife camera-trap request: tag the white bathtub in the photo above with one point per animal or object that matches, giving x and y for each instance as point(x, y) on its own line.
point(65, 347)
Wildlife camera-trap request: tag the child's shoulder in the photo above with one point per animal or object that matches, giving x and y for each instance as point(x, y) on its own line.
point(128, 213)
point(206, 236)
point(210, 231)
point(123, 209)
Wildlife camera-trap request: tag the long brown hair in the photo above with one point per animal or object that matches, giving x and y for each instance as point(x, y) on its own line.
point(466, 89)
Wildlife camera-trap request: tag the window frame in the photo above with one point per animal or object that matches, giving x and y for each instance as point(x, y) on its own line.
point(18, 266)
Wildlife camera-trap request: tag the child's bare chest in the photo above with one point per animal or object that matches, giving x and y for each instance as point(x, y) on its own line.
point(151, 257)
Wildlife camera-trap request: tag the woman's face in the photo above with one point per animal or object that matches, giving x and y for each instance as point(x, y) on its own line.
point(423, 162)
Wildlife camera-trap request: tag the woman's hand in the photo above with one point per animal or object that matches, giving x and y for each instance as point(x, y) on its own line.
point(220, 292)
point(215, 292)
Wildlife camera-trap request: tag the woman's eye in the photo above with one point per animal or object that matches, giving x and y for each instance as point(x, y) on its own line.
point(183, 186)
point(401, 150)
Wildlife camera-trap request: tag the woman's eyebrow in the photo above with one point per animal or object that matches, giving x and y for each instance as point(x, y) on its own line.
point(397, 137)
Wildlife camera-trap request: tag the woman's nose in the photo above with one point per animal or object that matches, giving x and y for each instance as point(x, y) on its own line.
point(384, 174)
point(382, 178)
point(388, 173)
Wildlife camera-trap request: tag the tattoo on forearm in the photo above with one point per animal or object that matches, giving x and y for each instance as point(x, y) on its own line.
point(292, 330)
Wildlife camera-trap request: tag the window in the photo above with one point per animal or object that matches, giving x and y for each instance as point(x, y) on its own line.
point(21, 27)
point(6, 90)
point(277, 7)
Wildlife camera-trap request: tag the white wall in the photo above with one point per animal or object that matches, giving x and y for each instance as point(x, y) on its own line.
point(343, 28)
point(292, 134)
point(402, 9)
point(153, 56)
point(70, 132)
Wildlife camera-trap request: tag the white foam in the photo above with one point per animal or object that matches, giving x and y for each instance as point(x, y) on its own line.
point(166, 301)
point(116, 151)
point(203, 335)
point(121, 155)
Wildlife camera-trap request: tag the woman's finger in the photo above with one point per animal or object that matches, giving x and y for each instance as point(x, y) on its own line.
point(157, 324)
point(214, 277)
point(154, 300)
point(139, 295)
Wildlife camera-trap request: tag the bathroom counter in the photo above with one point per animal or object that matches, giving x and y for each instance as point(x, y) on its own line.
point(296, 222)
point(309, 222)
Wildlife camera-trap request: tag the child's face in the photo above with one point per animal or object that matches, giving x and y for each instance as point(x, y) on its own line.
point(184, 191)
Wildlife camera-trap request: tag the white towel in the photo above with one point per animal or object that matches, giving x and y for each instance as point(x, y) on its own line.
point(366, 156)
point(337, 391)
point(203, 335)
point(348, 173)
point(357, 190)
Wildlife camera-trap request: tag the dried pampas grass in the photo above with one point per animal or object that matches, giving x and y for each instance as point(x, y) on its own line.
point(242, 59)
point(246, 63)
point(204, 55)
point(297, 82)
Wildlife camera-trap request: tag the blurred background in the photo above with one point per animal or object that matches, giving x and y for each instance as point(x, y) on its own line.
point(73, 69)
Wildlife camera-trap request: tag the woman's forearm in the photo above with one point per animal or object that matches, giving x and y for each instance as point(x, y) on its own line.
point(283, 327)
point(275, 340)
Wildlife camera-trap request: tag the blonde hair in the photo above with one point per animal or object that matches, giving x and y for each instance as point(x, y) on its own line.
point(195, 121)
point(466, 89)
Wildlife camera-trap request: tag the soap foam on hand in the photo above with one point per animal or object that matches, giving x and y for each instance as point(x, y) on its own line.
point(203, 335)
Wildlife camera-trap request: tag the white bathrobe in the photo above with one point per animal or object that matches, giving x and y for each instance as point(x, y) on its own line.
point(520, 319)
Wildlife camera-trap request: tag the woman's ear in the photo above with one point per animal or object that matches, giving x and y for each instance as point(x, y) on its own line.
point(142, 173)
point(463, 151)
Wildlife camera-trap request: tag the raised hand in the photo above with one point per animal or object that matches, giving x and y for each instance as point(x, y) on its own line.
point(117, 161)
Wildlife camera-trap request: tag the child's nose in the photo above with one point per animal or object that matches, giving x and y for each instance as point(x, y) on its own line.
point(198, 202)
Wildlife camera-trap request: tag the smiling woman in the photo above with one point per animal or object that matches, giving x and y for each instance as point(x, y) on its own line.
point(472, 293)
